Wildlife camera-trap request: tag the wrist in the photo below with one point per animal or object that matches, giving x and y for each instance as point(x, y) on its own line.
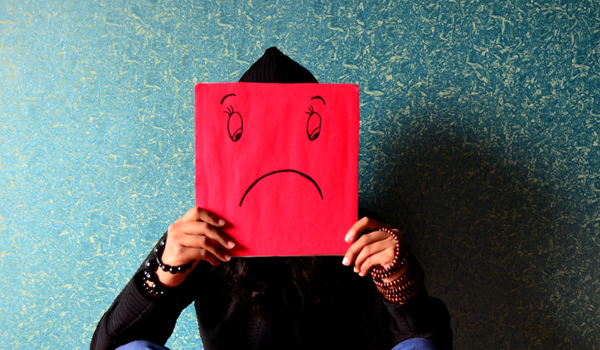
point(405, 287)
point(159, 276)
point(397, 275)
point(401, 280)
point(170, 280)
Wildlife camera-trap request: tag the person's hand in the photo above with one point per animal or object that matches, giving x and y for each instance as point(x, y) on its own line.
point(371, 249)
point(194, 237)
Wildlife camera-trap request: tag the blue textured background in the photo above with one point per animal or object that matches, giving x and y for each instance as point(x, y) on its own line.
point(479, 138)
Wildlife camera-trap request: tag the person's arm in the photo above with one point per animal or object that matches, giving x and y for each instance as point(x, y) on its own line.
point(419, 317)
point(137, 314)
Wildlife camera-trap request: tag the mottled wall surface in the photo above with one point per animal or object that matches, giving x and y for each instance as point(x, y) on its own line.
point(479, 137)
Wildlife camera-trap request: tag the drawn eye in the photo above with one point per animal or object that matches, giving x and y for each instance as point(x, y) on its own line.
point(313, 124)
point(235, 124)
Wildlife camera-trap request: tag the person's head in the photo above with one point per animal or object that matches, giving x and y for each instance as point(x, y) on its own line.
point(275, 67)
point(255, 281)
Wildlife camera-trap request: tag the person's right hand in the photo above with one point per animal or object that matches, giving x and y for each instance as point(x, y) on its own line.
point(194, 237)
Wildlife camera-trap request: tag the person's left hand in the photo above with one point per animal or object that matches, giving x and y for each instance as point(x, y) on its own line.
point(371, 249)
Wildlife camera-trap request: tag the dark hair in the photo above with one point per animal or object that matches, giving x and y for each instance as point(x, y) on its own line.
point(299, 282)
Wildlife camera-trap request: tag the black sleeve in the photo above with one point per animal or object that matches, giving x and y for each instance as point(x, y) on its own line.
point(421, 317)
point(136, 315)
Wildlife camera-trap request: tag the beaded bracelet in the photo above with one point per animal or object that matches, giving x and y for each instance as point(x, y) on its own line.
point(398, 263)
point(413, 265)
point(410, 284)
point(159, 250)
point(157, 289)
point(405, 295)
point(413, 283)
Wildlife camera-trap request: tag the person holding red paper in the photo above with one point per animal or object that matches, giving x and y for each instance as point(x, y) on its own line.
point(311, 302)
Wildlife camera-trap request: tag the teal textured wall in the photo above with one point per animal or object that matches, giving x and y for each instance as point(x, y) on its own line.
point(479, 138)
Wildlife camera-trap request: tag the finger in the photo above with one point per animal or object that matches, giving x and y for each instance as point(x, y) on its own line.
point(188, 216)
point(370, 262)
point(213, 260)
point(360, 226)
point(185, 248)
point(206, 255)
point(381, 251)
point(363, 241)
point(201, 228)
point(193, 242)
point(200, 214)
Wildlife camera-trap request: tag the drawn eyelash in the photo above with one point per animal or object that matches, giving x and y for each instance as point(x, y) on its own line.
point(229, 110)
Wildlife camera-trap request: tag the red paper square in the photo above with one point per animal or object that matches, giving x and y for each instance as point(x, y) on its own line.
point(279, 162)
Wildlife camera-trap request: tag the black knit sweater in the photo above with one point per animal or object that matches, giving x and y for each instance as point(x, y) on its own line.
point(358, 317)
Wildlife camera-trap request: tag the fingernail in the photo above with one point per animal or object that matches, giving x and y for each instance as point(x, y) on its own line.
point(345, 261)
point(221, 222)
point(355, 269)
point(348, 236)
point(231, 244)
point(227, 257)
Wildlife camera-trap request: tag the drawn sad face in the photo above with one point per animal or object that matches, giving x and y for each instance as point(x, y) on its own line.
point(279, 162)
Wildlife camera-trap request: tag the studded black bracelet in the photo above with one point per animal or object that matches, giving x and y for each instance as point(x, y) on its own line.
point(157, 288)
point(151, 266)
point(159, 250)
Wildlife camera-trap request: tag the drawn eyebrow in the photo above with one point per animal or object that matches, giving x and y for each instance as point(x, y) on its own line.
point(319, 97)
point(223, 100)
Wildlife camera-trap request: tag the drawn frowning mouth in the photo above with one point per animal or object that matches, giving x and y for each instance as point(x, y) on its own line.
point(282, 171)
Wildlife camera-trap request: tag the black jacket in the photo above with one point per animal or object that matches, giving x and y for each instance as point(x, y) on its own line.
point(357, 318)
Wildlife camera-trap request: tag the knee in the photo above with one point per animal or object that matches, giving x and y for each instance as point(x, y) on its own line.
point(417, 344)
point(141, 345)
